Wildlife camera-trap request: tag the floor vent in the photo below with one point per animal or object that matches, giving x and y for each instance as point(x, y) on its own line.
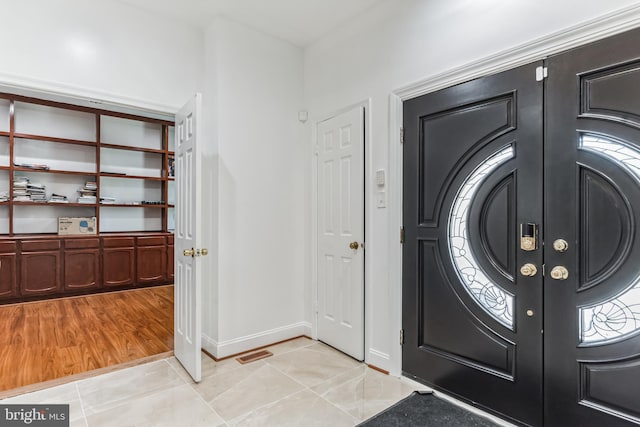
point(254, 356)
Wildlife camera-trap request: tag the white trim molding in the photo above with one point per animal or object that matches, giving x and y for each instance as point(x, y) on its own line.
point(260, 339)
point(583, 33)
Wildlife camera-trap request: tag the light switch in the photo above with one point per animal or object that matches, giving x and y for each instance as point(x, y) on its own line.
point(381, 199)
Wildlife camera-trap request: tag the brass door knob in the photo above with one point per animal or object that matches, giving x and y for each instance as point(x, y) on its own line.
point(560, 245)
point(559, 273)
point(188, 252)
point(528, 270)
point(204, 251)
point(354, 245)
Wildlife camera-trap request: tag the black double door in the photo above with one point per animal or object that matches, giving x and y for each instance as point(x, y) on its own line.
point(521, 263)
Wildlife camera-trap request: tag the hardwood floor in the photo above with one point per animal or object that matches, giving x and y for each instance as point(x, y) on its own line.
point(45, 340)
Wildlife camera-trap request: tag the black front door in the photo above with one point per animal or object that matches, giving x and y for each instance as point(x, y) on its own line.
point(472, 176)
point(592, 162)
point(521, 274)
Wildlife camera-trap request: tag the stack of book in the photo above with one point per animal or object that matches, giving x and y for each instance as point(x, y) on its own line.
point(35, 166)
point(58, 198)
point(37, 192)
point(88, 193)
point(4, 196)
point(20, 192)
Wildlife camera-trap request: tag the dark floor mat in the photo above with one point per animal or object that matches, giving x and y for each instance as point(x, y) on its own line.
point(426, 410)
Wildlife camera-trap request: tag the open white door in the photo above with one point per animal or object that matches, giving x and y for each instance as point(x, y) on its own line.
point(188, 286)
point(341, 232)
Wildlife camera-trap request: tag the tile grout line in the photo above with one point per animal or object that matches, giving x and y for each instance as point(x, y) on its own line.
point(84, 414)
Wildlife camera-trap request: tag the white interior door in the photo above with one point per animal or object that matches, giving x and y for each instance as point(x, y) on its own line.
point(341, 232)
point(188, 286)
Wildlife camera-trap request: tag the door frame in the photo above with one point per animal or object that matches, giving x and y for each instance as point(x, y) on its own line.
point(535, 50)
point(368, 205)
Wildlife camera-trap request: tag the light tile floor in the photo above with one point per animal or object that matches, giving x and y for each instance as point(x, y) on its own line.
point(305, 383)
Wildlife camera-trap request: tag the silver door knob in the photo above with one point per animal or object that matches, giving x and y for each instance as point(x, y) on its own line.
point(559, 273)
point(560, 245)
point(528, 270)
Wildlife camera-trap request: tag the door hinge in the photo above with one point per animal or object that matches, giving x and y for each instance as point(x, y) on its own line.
point(402, 234)
point(401, 336)
point(402, 135)
point(541, 73)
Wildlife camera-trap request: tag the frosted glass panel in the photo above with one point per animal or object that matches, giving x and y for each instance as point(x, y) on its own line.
point(65, 185)
point(4, 115)
point(494, 300)
point(619, 316)
point(130, 219)
point(4, 219)
point(58, 156)
point(130, 190)
point(36, 119)
point(172, 138)
point(44, 218)
point(135, 163)
point(4, 151)
point(131, 133)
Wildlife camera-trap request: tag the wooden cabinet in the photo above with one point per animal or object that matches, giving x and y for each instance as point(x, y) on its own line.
point(151, 253)
point(118, 261)
point(81, 264)
point(8, 270)
point(40, 268)
point(170, 259)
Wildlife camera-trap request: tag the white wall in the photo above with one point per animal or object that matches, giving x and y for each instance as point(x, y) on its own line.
point(392, 45)
point(257, 81)
point(104, 50)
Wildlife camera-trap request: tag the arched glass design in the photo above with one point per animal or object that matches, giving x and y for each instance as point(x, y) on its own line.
point(493, 299)
point(619, 316)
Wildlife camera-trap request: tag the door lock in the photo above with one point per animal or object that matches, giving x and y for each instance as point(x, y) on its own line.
point(354, 245)
point(529, 237)
point(528, 270)
point(559, 273)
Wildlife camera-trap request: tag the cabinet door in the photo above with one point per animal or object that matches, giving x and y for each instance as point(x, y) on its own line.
point(118, 266)
point(40, 273)
point(8, 279)
point(81, 269)
point(152, 263)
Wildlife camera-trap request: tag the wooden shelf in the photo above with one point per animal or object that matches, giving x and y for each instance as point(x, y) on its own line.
point(61, 172)
point(4, 134)
point(54, 139)
point(128, 148)
point(117, 175)
point(4, 168)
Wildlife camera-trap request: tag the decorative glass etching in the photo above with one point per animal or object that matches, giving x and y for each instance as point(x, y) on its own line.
point(618, 317)
point(494, 300)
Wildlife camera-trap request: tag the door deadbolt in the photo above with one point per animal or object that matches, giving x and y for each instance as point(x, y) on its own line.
point(528, 270)
point(559, 273)
point(560, 245)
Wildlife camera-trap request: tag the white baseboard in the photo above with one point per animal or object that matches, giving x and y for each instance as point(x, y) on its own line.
point(260, 339)
point(378, 359)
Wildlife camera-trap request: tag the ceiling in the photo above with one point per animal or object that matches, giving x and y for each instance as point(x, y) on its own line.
point(300, 22)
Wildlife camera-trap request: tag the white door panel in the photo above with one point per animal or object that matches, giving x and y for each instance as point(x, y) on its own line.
point(341, 224)
point(188, 286)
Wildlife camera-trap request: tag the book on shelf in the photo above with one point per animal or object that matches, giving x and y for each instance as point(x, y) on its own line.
point(4, 196)
point(34, 166)
point(107, 200)
point(87, 199)
point(58, 198)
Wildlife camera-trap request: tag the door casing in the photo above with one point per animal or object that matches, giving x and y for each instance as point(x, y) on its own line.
point(598, 28)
